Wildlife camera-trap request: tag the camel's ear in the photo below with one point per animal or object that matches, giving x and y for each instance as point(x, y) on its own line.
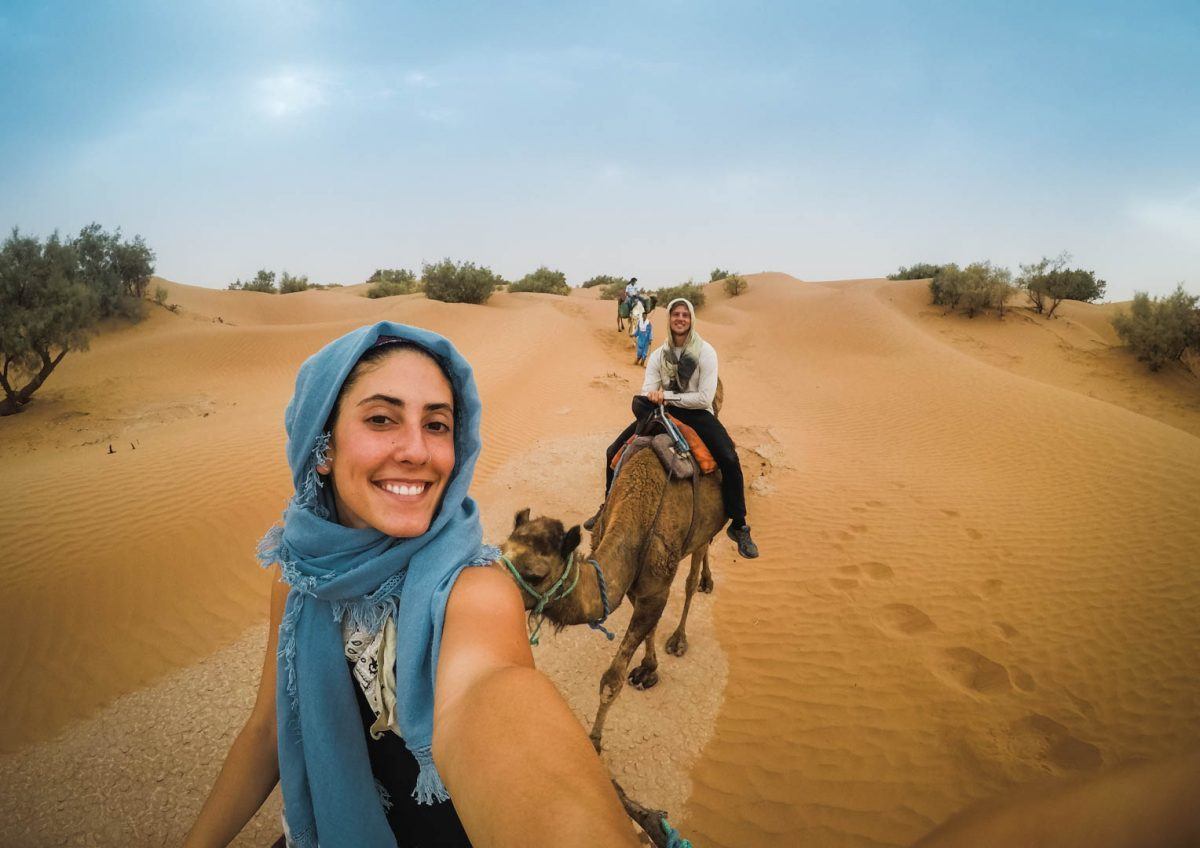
point(521, 518)
point(570, 541)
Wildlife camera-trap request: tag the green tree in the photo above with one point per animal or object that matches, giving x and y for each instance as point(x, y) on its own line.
point(688, 290)
point(454, 282)
point(613, 289)
point(973, 289)
point(735, 284)
point(920, 271)
point(719, 274)
point(118, 272)
point(1051, 282)
point(263, 281)
point(1159, 330)
point(602, 280)
point(289, 284)
point(543, 280)
point(47, 309)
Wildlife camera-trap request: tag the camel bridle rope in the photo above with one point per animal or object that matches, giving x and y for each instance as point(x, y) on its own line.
point(556, 592)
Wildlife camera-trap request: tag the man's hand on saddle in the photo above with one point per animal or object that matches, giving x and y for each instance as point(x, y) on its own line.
point(655, 396)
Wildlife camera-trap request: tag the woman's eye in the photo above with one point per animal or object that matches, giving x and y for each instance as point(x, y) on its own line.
point(439, 426)
point(379, 420)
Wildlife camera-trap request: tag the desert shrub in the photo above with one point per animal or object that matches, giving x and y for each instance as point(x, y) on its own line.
point(289, 284)
point(602, 280)
point(735, 285)
point(920, 271)
point(690, 290)
point(978, 287)
point(160, 295)
point(542, 280)
point(719, 274)
point(52, 295)
point(454, 282)
point(396, 277)
point(613, 290)
point(1051, 282)
point(1159, 330)
point(263, 281)
point(388, 282)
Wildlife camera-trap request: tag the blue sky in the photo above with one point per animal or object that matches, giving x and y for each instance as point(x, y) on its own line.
point(827, 140)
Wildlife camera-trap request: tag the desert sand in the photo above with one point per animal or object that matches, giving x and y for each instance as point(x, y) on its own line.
point(981, 555)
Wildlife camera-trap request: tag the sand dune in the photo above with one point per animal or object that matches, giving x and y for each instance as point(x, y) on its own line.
point(980, 549)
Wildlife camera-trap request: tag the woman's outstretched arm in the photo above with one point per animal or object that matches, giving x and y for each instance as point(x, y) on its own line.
point(251, 767)
point(515, 760)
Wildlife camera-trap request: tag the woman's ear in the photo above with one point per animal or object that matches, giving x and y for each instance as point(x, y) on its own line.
point(326, 467)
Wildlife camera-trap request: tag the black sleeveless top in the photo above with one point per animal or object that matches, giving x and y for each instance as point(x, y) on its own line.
point(415, 825)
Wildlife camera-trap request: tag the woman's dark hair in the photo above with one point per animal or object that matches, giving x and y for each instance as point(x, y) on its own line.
point(385, 346)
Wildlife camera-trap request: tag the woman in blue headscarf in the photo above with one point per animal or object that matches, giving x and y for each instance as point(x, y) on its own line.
point(398, 673)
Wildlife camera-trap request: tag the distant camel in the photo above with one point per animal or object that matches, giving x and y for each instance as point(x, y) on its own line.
point(646, 527)
point(642, 304)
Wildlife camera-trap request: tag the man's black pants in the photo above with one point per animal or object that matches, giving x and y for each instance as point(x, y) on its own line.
point(713, 434)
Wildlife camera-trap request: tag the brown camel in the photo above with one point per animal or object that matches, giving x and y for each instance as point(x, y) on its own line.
point(637, 544)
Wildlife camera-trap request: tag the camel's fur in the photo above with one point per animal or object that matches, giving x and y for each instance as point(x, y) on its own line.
point(539, 549)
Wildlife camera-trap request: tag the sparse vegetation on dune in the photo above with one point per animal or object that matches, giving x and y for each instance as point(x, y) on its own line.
point(1050, 282)
point(455, 282)
point(264, 281)
point(974, 289)
point(735, 284)
point(612, 290)
point(920, 271)
point(719, 274)
point(1160, 330)
point(602, 280)
point(389, 282)
point(689, 290)
point(544, 280)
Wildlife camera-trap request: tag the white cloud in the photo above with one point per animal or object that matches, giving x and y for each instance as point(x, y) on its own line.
point(419, 79)
point(289, 93)
point(1178, 217)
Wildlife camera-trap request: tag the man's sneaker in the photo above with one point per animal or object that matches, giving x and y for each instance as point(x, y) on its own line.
point(590, 524)
point(746, 547)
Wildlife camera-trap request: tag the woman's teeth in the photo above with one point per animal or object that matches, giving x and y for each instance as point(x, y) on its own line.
point(403, 489)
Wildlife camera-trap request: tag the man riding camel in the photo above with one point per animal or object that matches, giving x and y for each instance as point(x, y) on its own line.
point(682, 374)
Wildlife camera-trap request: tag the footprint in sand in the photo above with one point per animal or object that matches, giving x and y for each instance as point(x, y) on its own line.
point(991, 587)
point(1006, 630)
point(858, 509)
point(974, 534)
point(904, 619)
point(858, 528)
point(950, 513)
point(972, 671)
point(876, 504)
point(1045, 739)
point(1022, 679)
point(877, 570)
point(843, 583)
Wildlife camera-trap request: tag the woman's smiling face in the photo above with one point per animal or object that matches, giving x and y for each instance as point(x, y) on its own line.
point(391, 454)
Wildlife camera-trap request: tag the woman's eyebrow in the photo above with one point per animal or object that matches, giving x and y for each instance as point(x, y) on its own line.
point(395, 401)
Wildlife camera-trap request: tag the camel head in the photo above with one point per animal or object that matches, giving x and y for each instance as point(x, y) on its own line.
point(538, 548)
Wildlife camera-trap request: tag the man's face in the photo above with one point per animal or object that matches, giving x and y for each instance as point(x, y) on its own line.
point(681, 319)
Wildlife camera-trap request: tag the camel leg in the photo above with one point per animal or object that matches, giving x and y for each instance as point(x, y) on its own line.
point(650, 821)
point(646, 613)
point(677, 645)
point(706, 581)
point(646, 674)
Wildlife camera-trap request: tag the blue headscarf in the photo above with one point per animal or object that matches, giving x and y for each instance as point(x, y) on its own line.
point(329, 792)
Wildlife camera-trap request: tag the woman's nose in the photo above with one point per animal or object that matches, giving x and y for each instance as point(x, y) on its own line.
point(409, 446)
